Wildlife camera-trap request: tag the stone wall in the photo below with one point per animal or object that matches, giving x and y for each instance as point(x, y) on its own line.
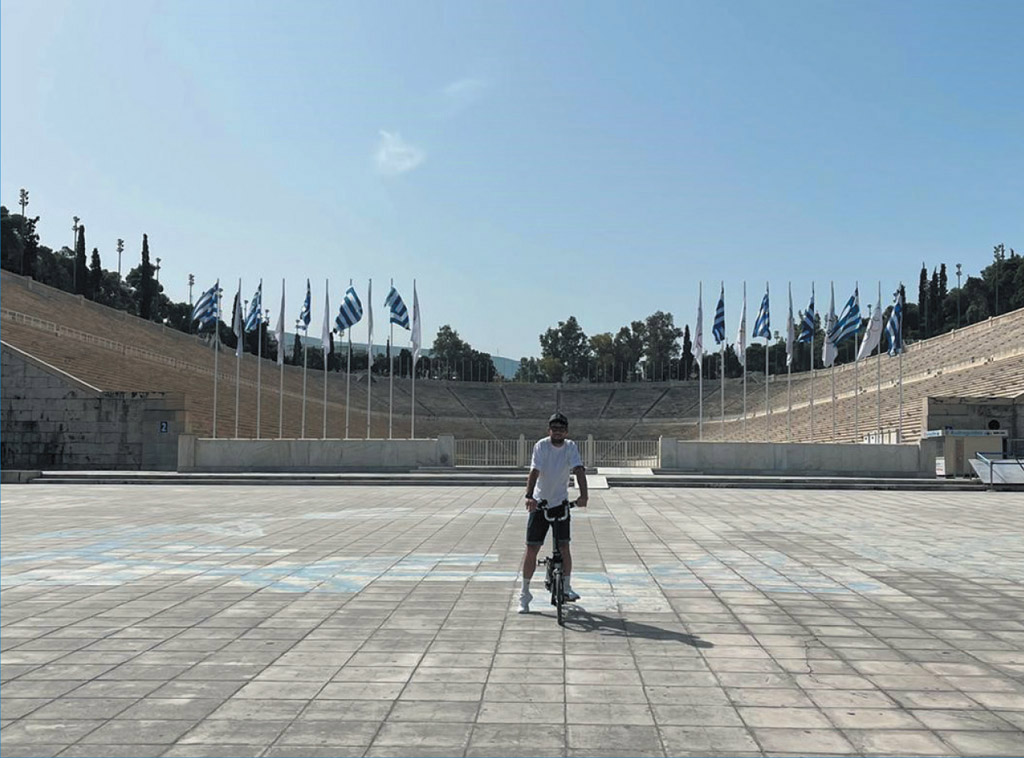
point(795, 459)
point(312, 455)
point(51, 420)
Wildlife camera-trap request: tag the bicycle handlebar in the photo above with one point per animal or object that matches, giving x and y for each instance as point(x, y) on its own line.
point(544, 506)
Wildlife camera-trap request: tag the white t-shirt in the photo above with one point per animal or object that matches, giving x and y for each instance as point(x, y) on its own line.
point(554, 465)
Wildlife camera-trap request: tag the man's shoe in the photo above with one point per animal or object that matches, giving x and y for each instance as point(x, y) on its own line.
point(524, 601)
point(571, 595)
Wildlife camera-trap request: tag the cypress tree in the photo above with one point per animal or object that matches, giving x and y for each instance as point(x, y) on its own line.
point(95, 275)
point(146, 282)
point(922, 301)
point(81, 276)
point(934, 308)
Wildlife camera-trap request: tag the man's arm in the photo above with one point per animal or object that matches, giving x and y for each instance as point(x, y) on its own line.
point(531, 482)
point(581, 483)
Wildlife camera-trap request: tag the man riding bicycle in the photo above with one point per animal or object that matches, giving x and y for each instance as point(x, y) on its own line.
point(554, 458)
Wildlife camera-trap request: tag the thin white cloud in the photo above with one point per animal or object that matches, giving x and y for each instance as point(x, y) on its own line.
point(396, 156)
point(462, 93)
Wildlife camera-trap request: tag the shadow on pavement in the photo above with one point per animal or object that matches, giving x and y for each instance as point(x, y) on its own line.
point(582, 620)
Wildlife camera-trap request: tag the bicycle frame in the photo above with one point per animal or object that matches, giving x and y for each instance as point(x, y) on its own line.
point(554, 579)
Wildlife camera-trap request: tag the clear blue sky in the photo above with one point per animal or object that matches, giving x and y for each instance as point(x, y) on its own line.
point(523, 161)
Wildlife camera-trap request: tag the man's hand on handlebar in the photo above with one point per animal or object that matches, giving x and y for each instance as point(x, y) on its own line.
point(581, 501)
point(531, 504)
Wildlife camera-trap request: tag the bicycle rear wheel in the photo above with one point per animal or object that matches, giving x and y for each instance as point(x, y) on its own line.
point(558, 595)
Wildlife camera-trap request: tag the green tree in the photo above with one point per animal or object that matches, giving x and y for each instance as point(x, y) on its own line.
point(661, 344)
point(686, 359)
point(95, 275)
point(569, 345)
point(629, 345)
point(602, 347)
point(297, 350)
point(146, 290)
point(81, 272)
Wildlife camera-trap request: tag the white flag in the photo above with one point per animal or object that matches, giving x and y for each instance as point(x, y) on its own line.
point(698, 334)
point(279, 331)
point(873, 337)
point(369, 324)
point(416, 327)
point(789, 329)
point(325, 334)
point(236, 323)
point(741, 335)
point(828, 348)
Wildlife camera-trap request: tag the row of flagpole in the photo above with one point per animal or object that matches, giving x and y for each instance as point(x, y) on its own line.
point(836, 328)
point(208, 310)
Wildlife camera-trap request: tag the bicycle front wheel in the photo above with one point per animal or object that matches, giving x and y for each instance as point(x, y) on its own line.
point(558, 596)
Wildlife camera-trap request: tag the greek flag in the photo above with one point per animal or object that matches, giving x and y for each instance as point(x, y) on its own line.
point(807, 322)
point(399, 313)
point(894, 329)
point(255, 314)
point(762, 324)
point(207, 308)
point(790, 329)
point(849, 320)
point(305, 316)
point(718, 328)
point(350, 311)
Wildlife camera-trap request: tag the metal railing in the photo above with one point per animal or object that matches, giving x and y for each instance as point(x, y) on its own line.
point(516, 453)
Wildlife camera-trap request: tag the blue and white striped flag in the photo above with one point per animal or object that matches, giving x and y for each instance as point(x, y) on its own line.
point(807, 322)
point(848, 324)
point(350, 311)
point(399, 313)
point(894, 329)
point(255, 314)
point(718, 328)
point(207, 307)
point(790, 330)
point(828, 347)
point(762, 324)
point(304, 315)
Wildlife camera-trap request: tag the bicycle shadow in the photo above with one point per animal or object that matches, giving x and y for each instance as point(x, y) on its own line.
point(582, 620)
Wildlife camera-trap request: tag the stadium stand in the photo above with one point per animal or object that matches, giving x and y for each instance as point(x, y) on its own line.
point(116, 351)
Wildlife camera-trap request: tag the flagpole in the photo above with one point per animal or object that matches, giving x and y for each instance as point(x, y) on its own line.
point(236, 317)
point(833, 374)
point(899, 432)
point(391, 373)
point(415, 339)
point(327, 324)
point(305, 366)
point(216, 356)
point(259, 363)
point(280, 364)
point(700, 364)
point(723, 388)
point(790, 349)
point(369, 353)
point(743, 347)
point(767, 339)
point(878, 376)
point(811, 367)
point(348, 374)
point(856, 372)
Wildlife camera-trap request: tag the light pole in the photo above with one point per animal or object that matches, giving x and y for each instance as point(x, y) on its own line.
point(74, 245)
point(958, 296)
point(120, 249)
point(158, 271)
point(23, 199)
point(191, 281)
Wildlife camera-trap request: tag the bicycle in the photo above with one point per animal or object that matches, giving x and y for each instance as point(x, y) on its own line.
point(554, 577)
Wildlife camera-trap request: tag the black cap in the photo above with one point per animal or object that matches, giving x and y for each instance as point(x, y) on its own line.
point(558, 418)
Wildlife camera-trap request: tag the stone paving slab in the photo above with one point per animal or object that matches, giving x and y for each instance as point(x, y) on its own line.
point(380, 621)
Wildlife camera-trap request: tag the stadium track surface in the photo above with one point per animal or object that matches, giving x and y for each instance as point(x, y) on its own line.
point(262, 620)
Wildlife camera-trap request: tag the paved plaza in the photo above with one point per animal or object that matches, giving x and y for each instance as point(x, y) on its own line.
point(379, 621)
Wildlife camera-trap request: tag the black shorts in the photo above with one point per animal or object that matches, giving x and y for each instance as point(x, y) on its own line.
point(537, 526)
